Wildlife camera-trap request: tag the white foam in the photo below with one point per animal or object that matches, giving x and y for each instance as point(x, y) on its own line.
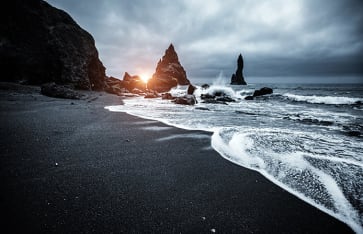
point(178, 136)
point(330, 100)
point(145, 122)
point(277, 153)
point(238, 150)
point(156, 128)
point(221, 80)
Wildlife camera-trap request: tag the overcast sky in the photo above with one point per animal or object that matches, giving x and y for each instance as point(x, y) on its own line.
point(275, 37)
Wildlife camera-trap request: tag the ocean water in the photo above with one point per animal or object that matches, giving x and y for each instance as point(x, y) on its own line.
point(299, 137)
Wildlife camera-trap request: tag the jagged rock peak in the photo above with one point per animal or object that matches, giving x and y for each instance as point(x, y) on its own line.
point(171, 55)
point(169, 72)
point(237, 78)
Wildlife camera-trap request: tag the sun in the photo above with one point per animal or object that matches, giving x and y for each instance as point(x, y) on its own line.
point(145, 78)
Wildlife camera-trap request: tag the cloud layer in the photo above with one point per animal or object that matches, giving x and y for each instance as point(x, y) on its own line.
point(276, 37)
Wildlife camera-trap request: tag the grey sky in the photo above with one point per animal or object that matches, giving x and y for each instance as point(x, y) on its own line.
point(276, 37)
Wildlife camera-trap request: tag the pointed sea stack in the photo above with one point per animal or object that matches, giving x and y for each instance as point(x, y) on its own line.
point(169, 72)
point(237, 78)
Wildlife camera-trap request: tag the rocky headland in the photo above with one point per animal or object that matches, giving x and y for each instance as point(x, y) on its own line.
point(40, 44)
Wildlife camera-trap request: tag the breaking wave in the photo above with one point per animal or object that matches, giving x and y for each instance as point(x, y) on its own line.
point(329, 100)
point(296, 145)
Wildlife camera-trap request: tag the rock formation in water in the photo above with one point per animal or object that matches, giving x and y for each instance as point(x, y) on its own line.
point(237, 78)
point(260, 92)
point(169, 72)
point(41, 44)
point(133, 82)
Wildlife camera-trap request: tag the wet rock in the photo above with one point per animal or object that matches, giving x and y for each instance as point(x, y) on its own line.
point(202, 108)
point(167, 96)
point(214, 101)
point(207, 96)
point(59, 91)
point(217, 97)
point(225, 99)
point(205, 86)
point(262, 91)
point(249, 98)
point(186, 100)
point(191, 89)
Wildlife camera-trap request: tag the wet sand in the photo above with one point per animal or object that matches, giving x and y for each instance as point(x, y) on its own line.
point(71, 166)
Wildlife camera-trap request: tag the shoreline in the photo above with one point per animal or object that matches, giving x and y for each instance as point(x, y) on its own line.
point(81, 168)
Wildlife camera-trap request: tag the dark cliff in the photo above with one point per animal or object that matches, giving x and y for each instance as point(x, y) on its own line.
point(40, 44)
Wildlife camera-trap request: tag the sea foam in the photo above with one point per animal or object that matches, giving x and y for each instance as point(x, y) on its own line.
point(329, 100)
point(312, 161)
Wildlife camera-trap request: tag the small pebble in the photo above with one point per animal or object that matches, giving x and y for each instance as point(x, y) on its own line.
point(213, 230)
point(56, 164)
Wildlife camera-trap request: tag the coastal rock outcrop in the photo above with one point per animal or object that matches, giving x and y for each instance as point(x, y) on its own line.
point(191, 89)
point(129, 84)
point(167, 96)
point(260, 92)
point(169, 72)
point(237, 78)
point(114, 85)
point(188, 99)
point(216, 97)
point(41, 44)
point(59, 91)
point(133, 82)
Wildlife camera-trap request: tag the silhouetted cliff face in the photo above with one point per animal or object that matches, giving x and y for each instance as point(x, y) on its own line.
point(237, 78)
point(169, 72)
point(39, 43)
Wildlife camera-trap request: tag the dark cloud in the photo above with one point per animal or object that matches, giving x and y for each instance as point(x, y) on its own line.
point(277, 38)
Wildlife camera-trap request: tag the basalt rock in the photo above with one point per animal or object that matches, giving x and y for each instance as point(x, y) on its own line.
point(59, 91)
point(237, 78)
point(191, 89)
point(167, 96)
point(262, 91)
point(169, 72)
point(217, 97)
point(205, 86)
point(114, 85)
point(186, 100)
point(133, 82)
point(41, 44)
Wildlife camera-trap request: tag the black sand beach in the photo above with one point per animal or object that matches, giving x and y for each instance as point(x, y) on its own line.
point(74, 167)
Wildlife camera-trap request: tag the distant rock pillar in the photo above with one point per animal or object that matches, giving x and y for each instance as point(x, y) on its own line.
point(237, 78)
